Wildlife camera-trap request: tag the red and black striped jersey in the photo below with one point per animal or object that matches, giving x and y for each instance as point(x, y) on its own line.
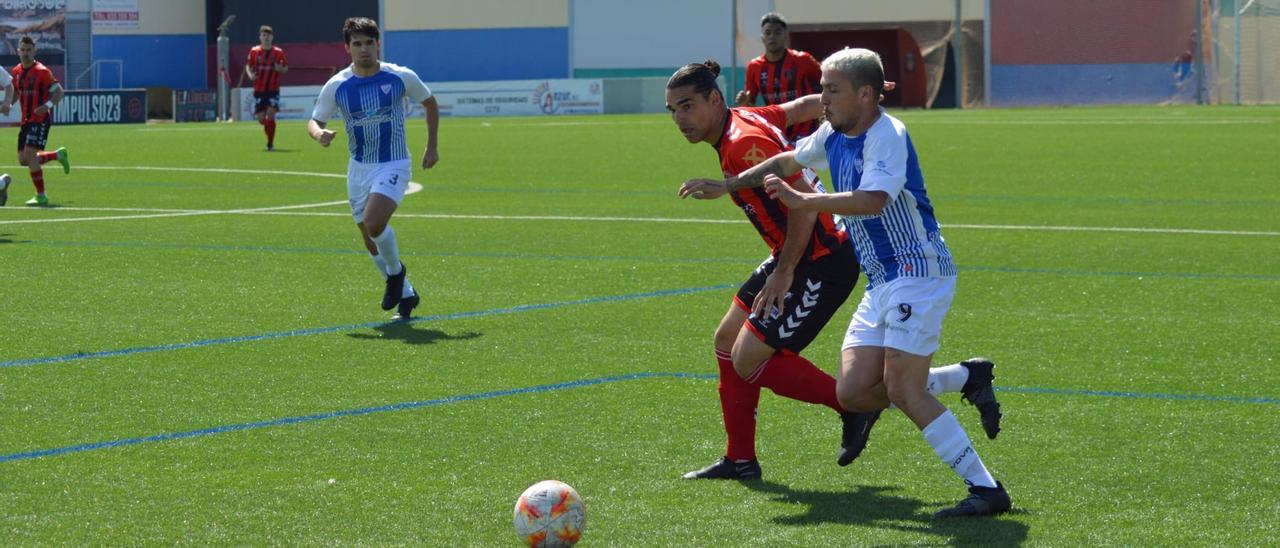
point(751, 136)
point(797, 74)
point(264, 64)
point(33, 86)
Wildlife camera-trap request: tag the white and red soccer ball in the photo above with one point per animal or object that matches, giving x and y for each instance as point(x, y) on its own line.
point(549, 514)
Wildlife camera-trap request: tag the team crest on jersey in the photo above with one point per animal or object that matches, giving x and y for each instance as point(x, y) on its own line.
point(857, 165)
point(386, 88)
point(754, 156)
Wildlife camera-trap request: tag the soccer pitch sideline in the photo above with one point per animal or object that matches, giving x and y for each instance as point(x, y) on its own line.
point(195, 354)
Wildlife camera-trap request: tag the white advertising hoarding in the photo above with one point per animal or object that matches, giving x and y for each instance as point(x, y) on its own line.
point(505, 98)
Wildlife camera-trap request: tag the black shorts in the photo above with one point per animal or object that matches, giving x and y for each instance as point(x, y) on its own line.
point(819, 289)
point(265, 100)
point(34, 134)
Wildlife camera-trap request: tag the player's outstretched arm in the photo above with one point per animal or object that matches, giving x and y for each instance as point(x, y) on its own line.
point(803, 109)
point(781, 165)
point(431, 156)
point(799, 228)
point(857, 202)
point(317, 131)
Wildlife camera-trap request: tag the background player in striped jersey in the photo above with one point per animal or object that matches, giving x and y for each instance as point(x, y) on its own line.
point(38, 92)
point(781, 74)
point(265, 66)
point(880, 192)
point(371, 96)
point(787, 300)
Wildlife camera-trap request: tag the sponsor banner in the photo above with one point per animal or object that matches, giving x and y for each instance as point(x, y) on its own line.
point(115, 14)
point(42, 20)
point(518, 98)
point(123, 106)
point(296, 102)
point(504, 98)
point(195, 105)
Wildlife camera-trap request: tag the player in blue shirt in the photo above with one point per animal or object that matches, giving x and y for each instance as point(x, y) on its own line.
point(879, 192)
point(372, 98)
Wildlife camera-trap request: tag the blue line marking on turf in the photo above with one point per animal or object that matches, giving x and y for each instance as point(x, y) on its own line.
point(1139, 395)
point(124, 442)
point(341, 328)
point(725, 260)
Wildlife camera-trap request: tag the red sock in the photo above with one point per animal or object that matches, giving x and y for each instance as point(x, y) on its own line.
point(37, 178)
point(738, 401)
point(270, 125)
point(46, 157)
point(791, 376)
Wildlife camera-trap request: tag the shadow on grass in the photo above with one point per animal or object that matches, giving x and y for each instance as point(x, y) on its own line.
point(878, 507)
point(4, 239)
point(411, 334)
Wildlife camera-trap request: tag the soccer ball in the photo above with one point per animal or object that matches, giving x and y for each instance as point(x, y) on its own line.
point(549, 514)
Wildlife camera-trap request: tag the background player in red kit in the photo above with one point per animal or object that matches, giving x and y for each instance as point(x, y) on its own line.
point(789, 298)
point(781, 74)
point(265, 66)
point(37, 91)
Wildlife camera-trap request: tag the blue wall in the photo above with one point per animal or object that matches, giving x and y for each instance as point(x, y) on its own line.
point(480, 54)
point(169, 60)
point(1024, 85)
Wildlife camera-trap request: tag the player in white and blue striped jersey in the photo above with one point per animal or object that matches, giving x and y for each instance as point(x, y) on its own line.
point(879, 191)
point(372, 98)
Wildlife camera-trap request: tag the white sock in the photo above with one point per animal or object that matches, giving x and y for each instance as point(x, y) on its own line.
point(381, 264)
point(952, 445)
point(948, 378)
point(388, 250)
point(408, 289)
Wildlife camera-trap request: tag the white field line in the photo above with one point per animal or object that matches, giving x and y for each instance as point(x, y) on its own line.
point(733, 221)
point(161, 213)
point(1111, 122)
point(416, 187)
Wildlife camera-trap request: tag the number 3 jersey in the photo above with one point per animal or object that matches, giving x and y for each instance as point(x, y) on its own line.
point(374, 109)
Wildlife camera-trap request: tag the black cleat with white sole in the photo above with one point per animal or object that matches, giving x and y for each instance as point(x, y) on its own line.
point(982, 501)
point(727, 469)
point(980, 393)
point(404, 310)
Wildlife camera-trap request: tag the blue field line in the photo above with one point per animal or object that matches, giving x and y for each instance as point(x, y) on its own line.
point(79, 448)
point(341, 328)
point(690, 260)
point(334, 415)
point(1139, 395)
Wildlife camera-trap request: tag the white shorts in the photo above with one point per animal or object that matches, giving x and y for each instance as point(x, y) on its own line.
point(905, 314)
point(389, 179)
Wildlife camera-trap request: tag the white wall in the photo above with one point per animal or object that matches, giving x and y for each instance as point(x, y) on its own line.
point(633, 34)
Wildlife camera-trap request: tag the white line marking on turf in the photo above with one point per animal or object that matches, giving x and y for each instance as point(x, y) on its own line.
point(413, 187)
point(220, 170)
point(1121, 229)
point(1113, 122)
point(736, 221)
point(416, 187)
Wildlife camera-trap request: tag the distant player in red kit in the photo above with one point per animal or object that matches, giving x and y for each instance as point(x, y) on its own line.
point(38, 92)
point(781, 74)
point(265, 66)
point(787, 300)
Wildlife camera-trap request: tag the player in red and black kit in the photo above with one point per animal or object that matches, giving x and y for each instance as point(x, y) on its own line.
point(789, 298)
point(781, 74)
point(38, 92)
point(265, 66)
